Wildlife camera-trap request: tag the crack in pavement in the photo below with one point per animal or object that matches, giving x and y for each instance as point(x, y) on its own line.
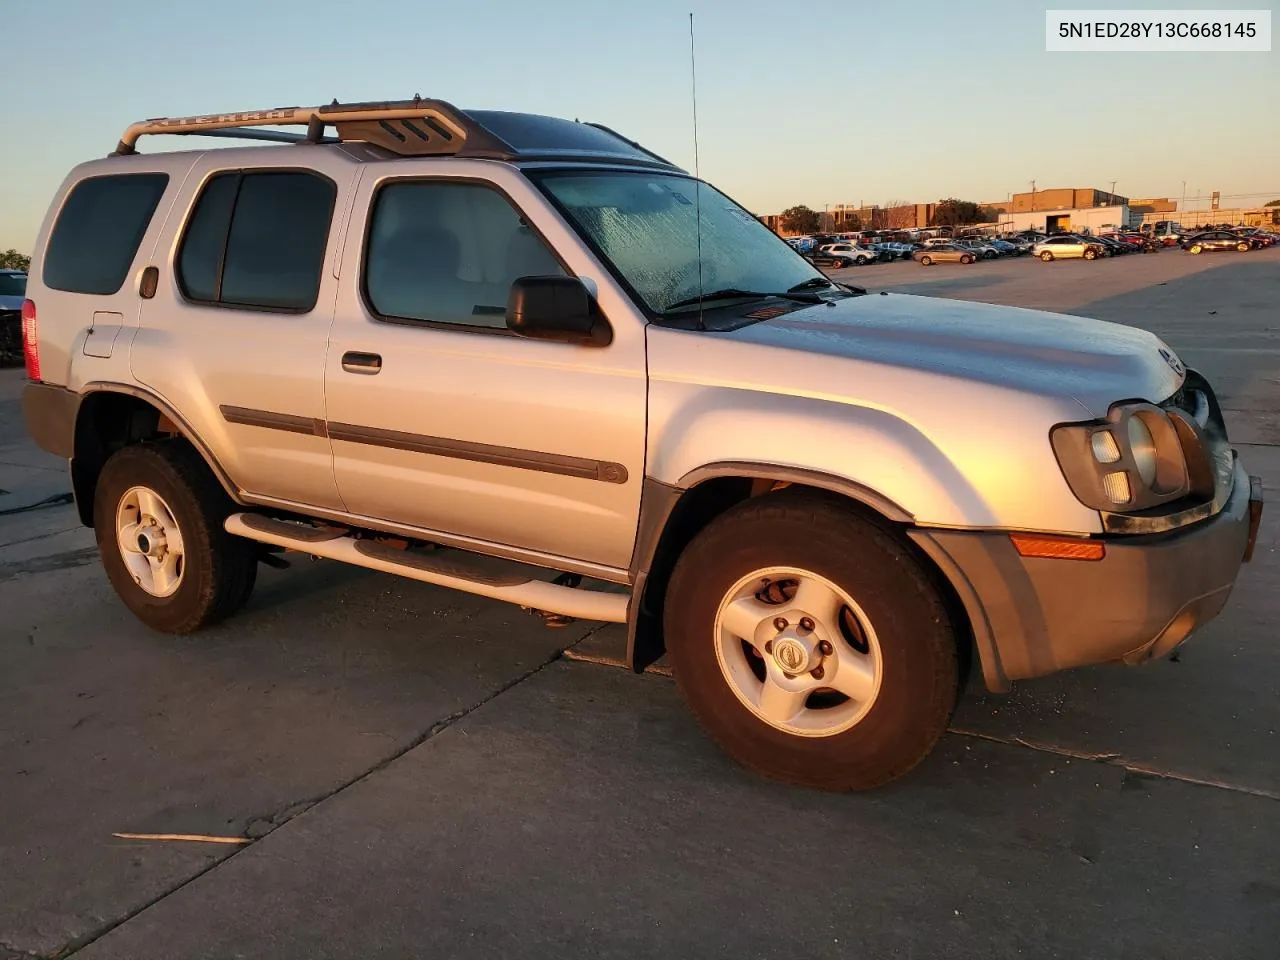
point(42, 536)
point(1115, 760)
point(57, 561)
point(264, 826)
point(1111, 759)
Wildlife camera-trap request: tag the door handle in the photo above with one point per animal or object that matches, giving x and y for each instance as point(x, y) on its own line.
point(354, 361)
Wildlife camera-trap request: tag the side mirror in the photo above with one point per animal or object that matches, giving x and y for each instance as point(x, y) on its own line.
point(555, 308)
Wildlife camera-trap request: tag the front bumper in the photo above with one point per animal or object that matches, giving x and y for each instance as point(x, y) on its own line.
point(1032, 616)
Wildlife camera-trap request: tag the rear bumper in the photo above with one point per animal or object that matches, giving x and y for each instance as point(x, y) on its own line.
point(1032, 616)
point(50, 414)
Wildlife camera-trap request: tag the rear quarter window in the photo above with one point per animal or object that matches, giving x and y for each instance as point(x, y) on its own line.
point(98, 231)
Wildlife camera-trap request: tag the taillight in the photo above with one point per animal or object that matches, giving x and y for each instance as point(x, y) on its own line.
point(30, 340)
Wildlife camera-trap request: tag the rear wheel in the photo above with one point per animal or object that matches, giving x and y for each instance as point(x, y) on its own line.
point(1196, 248)
point(1046, 256)
point(158, 515)
point(811, 644)
point(926, 261)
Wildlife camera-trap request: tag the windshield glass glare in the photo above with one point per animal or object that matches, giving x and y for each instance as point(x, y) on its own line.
point(646, 225)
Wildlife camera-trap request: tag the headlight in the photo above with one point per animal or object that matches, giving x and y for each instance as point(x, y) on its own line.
point(1139, 457)
point(1143, 447)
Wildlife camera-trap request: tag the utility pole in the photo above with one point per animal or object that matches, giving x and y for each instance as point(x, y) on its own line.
point(1033, 196)
point(1113, 191)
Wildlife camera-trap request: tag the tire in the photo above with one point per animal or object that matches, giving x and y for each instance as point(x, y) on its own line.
point(1242, 247)
point(966, 259)
point(213, 575)
point(926, 261)
point(1046, 256)
point(906, 642)
point(1196, 248)
point(861, 261)
point(1090, 255)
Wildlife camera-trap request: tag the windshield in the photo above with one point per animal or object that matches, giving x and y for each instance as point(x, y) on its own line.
point(13, 284)
point(646, 226)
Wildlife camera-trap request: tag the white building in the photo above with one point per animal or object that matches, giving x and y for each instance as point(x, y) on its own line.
point(1092, 219)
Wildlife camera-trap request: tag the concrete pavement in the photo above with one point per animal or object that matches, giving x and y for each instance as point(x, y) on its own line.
point(421, 774)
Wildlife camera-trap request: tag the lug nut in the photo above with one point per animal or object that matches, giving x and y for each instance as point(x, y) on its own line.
point(780, 623)
point(817, 673)
point(825, 648)
point(806, 624)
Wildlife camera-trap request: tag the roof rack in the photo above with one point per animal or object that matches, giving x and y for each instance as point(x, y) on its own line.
point(414, 127)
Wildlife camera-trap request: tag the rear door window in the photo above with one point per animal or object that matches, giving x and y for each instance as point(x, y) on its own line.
point(257, 239)
point(99, 230)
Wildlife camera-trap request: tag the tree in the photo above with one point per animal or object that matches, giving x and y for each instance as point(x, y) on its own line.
point(952, 212)
point(851, 223)
point(1272, 203)
point(800, 219)
point(13, 260)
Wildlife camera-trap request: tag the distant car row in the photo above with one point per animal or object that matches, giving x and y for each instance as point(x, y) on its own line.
point(839, 253)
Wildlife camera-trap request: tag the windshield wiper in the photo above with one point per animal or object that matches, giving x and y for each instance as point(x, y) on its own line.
point(810, 284)
point(733, 293)
point(824, 282)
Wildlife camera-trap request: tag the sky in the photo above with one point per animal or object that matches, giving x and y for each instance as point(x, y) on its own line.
point(814, 102)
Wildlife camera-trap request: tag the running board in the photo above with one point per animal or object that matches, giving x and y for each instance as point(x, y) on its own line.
point(468, 572)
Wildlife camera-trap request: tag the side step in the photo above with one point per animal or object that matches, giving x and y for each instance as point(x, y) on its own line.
point(470, 573)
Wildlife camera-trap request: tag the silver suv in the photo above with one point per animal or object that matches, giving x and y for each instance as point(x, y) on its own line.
point(529, 359)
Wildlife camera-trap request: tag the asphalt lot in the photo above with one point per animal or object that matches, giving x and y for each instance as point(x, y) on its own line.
point(420, 773)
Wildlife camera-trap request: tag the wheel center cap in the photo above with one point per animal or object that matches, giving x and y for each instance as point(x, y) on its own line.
point(792, 654)
point(151, 541)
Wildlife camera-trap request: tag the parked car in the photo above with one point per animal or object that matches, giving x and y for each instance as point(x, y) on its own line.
point(1256, 237)
point(1113, 247)
point(847, 254)
point(1213, 241)
point(1003, 247)
point(980, 247)
point(519, 379)
point(13, 289)
point(944, 253)
point(1067, 246)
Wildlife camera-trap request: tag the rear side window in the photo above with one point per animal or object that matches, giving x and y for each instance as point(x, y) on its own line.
point(98, 232)
point(257, 239)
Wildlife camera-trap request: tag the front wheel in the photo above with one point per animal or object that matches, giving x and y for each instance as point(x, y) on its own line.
point(1090, 255)
point(1196, 248)
point(966, 259)
point(1242, 247)
point(861, 261)
point(926, 261)
point(1046, 256)
point(811, 643)
point(158, 514)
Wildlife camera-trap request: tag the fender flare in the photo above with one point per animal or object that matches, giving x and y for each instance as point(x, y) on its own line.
point(170, 414)
point(658, 502)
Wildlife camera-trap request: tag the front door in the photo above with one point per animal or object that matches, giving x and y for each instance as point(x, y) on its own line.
point(442, 419)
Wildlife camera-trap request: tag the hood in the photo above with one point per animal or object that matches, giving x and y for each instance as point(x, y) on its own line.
point(1090, 361)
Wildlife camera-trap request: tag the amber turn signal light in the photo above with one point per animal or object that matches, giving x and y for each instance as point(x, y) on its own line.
point(1058, 548)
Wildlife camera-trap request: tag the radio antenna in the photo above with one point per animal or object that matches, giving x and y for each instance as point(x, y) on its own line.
point(697, 184)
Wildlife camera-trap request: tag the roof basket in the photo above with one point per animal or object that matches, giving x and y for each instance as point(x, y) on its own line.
point(414, 127)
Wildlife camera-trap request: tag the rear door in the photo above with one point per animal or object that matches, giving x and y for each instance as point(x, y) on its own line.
point(236, 336)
